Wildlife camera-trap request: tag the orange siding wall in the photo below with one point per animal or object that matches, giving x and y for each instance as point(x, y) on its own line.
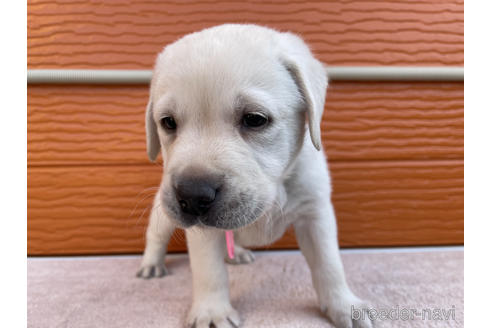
point(128, 34)
point(395, 149)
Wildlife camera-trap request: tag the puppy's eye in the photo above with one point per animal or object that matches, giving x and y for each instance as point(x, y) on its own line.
point(168, 123)
point(254, 120)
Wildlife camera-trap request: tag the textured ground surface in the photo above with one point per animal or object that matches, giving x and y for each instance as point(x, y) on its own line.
point(275, 291)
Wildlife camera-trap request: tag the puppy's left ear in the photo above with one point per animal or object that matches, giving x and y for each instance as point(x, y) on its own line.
point(311, 79)
point(153, 144)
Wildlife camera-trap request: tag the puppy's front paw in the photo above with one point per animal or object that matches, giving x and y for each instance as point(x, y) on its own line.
point(148, 271)
point(347, 311)
point(241, 256)
point(213, 314)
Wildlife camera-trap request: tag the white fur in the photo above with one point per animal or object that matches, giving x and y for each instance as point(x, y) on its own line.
point(285, 178)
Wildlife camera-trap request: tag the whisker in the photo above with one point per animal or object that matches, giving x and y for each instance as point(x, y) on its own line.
point(142, 214)
point(141, 200)
point(178, 237)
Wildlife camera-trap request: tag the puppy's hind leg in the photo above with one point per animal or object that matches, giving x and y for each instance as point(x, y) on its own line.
point(241, 255)
point(159, 231)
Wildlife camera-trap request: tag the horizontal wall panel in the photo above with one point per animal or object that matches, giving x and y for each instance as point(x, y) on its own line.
point(370, 121)
point(399, 203)
point(69, 125)
point(104, 209)
point(111, 34)
point(86, 124)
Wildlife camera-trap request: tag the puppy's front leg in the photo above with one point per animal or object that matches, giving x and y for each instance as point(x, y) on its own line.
point(317, 238)
point(159, 231)
point(211, 304)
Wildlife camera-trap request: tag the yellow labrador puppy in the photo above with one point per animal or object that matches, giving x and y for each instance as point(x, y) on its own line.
point(228, 109)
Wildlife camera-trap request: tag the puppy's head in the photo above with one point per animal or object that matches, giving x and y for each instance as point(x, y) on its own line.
point(228, 108)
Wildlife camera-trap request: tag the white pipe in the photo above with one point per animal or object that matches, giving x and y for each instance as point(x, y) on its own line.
point(390, 73)
point(345, 73)
point(88, 76)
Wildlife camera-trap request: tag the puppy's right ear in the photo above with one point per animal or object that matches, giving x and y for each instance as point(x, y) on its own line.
point(153, 144)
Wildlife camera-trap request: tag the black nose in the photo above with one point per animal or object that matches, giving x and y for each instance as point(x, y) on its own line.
point(196, 195)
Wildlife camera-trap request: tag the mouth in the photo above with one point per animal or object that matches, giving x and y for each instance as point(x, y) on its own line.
point(228, 215)
point(221, 225)
point(233, 220)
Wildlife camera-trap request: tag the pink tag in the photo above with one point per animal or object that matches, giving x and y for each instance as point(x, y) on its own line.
point(229, 234)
